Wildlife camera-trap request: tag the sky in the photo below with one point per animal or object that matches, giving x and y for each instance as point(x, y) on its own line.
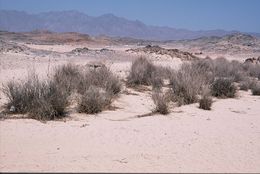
point(241, 15)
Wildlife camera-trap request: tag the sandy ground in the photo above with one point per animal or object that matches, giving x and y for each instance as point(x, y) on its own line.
point(225, 139)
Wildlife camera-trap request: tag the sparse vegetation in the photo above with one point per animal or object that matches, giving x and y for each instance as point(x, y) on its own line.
point(97, 88)
point(205, 103)
point(20, 94)
point(144, 72)
point(48, 99)
point(50, 103)
point(156, 80)
point(253, 70)
point(206, 100)
point(186, 84)
point(247, 83)
point(161, 102)
point(93, 100)
point(41, 100)
point(101, 77)
point(244, 85)
point(67, 76)
point(223, 88)
point(204, 68)
point(256, 89)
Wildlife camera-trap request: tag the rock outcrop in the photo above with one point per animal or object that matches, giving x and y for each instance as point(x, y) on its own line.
point(174, 53)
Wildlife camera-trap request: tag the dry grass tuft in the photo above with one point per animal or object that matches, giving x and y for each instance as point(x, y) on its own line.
point(223, 88)
point(161, 102)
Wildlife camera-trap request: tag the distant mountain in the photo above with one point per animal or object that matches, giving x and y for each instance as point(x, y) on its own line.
point(108, 24)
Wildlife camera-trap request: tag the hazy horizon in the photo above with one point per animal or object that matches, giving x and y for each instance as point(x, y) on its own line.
point(239, 15)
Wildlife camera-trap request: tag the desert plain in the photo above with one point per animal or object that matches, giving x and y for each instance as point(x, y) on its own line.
point(188, 139)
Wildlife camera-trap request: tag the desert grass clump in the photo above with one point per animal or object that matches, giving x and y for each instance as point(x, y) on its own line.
point(223, 88)
point(161, 102)
point(205, 68)
point(50, 103)
point(186, 84)
point(98, 87)
point(156, 80)
point(100, 77)
point(42, 100)
point(68, 77)
point(233, 70)
point(20, 94)
point(142, 72)
point(247, 83)
point(244, 85)
point(253, 70)
point(206, 100)
point(237, 72)
point(256, 89)
point(94, 100)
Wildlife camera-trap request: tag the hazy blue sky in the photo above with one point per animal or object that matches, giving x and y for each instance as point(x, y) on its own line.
point(243, 15)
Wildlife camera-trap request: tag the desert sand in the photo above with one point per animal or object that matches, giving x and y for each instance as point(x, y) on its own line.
point(225, 139)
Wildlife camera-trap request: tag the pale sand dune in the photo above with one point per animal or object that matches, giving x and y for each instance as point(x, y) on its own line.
point(225, 139)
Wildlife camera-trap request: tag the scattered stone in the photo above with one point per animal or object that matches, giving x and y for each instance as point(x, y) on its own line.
point(253, 60)
point(11, 47)
point(83, 50)
point(162, 51)
point(95, 65)
point(106, 50)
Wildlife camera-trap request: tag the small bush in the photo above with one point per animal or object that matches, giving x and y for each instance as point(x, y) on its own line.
point(101, 77)
point(252, 69)
point(97, 88)
point(163, 72)
point(223, 87)
point(205, 68)
point(41, 100)
point(50, 103)
point(156, 80)
point(236, 71)
point(206, 100)
point(142, 72)
point(113, 85)
point(232, 70)
point(205, 103)
point(221, 67)
point(93, 101)
point(246, 84)
point(186, 84)
point(67, 76)
point(161, 102)
point(256, 89)
point(21, 94)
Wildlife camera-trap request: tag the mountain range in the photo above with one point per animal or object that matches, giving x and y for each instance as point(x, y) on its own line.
point(107, 24)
